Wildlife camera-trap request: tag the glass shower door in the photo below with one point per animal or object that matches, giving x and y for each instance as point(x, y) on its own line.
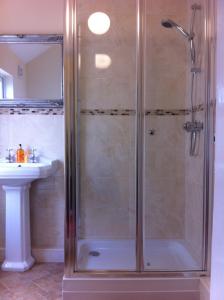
point(106, 135)
point(140, 190)
point(173, 175)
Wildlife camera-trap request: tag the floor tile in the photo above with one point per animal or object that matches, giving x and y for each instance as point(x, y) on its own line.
point(42, 282)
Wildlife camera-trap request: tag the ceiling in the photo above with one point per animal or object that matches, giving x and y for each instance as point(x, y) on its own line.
point(27, 52)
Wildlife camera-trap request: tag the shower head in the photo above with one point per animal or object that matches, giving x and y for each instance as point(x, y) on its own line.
point(171, 24)
point(167, 23)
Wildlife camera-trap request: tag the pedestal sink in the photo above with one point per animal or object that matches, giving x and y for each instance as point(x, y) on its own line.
point(16, 179)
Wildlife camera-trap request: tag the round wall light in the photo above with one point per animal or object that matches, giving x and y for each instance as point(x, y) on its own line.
point(99, 23)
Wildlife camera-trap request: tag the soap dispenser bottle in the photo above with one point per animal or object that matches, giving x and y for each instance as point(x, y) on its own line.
point(20, 154)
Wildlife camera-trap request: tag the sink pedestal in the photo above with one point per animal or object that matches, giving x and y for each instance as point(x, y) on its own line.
point(18, 247)
point(15, 179)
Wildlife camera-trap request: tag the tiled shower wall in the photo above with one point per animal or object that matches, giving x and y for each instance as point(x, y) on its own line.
point(107, 141)
point(173, 184)
point(165, 88)
point(107, 154)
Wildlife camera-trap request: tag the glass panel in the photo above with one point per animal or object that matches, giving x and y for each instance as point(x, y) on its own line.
point(107, 119)
point(173, 178)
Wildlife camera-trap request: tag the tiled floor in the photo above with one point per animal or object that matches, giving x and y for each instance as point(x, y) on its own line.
point(42, 282)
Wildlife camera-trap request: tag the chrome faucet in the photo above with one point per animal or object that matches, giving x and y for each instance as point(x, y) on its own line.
point(10, 158)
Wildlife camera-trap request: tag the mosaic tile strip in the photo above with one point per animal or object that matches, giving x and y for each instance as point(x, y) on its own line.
point(174, 112)
point(108, 112)
point(132, 112)
point(105, 112)
point(199, 107)
point(156, 112)
point(31, 111)
point(166, 112)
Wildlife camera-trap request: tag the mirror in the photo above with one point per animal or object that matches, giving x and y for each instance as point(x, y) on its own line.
point(31, 71)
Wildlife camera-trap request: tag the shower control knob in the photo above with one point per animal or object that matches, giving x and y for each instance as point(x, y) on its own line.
point(151, 131)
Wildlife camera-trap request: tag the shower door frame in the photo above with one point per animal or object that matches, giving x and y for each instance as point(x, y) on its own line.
point(71, 76)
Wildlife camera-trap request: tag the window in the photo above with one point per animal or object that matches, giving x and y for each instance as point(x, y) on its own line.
point(2, 87)
point(6, 85)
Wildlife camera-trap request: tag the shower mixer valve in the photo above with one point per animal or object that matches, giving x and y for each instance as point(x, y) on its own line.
point(194, 126)
point(196, 6)
point(195, 70)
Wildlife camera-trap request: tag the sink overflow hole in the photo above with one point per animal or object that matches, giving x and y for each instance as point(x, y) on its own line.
point(94, 253)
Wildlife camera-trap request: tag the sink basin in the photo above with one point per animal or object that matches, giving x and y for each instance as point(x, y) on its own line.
point(20, 173)
point(16, 179)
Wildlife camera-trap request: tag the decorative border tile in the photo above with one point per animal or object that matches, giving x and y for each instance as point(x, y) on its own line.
point(108, 112)
point(166, 112)
point(102, 112)
point(132, 112)
point(175, 112)
point(31, 111)
point(199, 107)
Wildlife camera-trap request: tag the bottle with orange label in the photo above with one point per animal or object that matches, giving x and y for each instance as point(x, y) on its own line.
point(20, 155)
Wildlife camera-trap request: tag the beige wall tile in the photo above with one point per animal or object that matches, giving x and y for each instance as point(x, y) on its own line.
point(164, 187)
point(166, 7)
point(107, 172)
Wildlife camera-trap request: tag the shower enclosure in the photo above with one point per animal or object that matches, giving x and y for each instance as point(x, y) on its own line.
point(139, 136)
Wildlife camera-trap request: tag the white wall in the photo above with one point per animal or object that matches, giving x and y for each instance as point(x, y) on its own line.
point(217, 269)
point(31, 16)
point(44, 74)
